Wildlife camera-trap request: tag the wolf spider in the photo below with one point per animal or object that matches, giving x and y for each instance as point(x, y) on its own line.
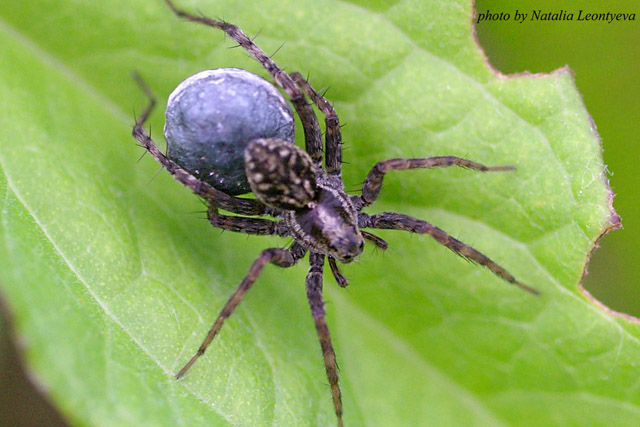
point(308, 200)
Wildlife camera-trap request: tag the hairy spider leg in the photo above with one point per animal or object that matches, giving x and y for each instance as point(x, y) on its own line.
point(333, 136)
point(397, 221)
point(213, 196)
point(312, 133)
point(276, 256)
point(240, 224)
point(373, 182)
point(316, 303)
point(391, 220)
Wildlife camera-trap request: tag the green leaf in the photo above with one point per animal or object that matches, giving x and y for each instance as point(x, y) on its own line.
point(113, 281)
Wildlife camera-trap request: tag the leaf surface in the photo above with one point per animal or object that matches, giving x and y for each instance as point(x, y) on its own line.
point(113, 280)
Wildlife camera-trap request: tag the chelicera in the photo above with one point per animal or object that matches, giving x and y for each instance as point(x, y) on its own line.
point(307, 200)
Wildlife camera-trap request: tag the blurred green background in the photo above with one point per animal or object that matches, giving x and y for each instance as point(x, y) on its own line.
point(605, 60)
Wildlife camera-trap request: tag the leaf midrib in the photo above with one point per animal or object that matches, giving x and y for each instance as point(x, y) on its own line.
point(118, 113)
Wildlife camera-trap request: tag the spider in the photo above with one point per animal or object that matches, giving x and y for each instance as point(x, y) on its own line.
point(307, 199)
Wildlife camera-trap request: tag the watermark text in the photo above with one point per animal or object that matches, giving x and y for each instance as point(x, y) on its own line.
point(558, 15)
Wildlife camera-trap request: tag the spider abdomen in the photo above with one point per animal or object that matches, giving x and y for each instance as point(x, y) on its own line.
point(212, 117)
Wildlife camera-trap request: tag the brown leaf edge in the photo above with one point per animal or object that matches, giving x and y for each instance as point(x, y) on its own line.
point(615, 221)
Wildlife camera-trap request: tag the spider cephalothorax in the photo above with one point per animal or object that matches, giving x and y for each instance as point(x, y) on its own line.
point(292, 185)
point(316, 211)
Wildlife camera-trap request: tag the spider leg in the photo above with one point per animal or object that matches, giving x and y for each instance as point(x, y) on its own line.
point(276, 256)
point(373, 182)
point(241, 224)
point(333, 136)
point(342, 281)
point(312, 134)
point(397, 221)
point(314, 295)
point(201, 188)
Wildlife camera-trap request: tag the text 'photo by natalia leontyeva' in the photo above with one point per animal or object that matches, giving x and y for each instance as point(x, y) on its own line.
point(561, 15)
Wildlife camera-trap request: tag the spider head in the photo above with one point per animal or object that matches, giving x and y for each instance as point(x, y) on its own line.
point(347, 247)
point(329, 225)
point(336, 228)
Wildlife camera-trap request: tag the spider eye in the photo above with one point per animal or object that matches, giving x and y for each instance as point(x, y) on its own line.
point(280, 174)
point(361, 245)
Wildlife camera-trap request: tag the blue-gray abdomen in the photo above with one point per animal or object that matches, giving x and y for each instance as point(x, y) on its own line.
point(212, 116)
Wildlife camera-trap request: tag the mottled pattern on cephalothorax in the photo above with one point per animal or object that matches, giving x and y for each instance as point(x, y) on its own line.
point(306, 200)
point(281, 175)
